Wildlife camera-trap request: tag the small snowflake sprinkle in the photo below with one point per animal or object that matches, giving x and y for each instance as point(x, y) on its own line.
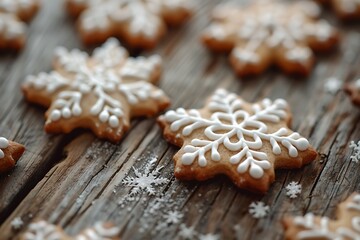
point(293, 189)
point(17, 223)
point(209, 236)
point(333, 85)
point(356, 155)
point(173, 217)
point(187, 232)
point(145, 182)
point(258, 209)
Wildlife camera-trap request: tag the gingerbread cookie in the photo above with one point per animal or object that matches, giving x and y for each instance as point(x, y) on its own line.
point(347, 227)
point(242, 140)
point(10, 152)
point(353, 90)
point(43, 230)
point(139, 23)
point(270, 33)
point(12, 27)
point(100, 93)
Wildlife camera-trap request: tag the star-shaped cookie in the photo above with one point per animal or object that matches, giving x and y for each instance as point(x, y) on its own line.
point(139, 23)
point(269, 33)
point(353, 90)
point(100, 93)
point(244, 141)
point(43, 230)
point(10, 152)
point(13, 14)
point(346, 227)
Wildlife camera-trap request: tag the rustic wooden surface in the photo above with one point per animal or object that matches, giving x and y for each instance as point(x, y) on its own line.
point(75, 180)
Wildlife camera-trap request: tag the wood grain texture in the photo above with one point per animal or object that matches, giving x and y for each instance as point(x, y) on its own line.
point(75, 180)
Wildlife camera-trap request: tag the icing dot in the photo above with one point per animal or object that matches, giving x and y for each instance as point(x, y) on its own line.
point(302, 144)
point(76, 110)
point(118, 112)
point(113, 121)
point(104, 116)
point(293, 152)
point(55, 115)
point(187, 159)
point(2, 155)
point(256, 171)
point(202, 161)
point(4, 143)
point(66, 113)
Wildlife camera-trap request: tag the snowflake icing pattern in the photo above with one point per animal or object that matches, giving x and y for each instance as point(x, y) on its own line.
point(313, 227)
point(145, 182)
point(104, 91)
point(258, 209)
point(240, 129)
point(356, 155)
point(12, 27)
point(293, 189)
point(269, 32)
point(131, 19)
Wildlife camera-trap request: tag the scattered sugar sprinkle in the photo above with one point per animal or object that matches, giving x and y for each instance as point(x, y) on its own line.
point(172, 217)
point(147, 180)
point(17, 223)
point(209, 236)
point(293, 189)
point(355, 157)
point(187, 233)
point(332, 85)
point(258, 209)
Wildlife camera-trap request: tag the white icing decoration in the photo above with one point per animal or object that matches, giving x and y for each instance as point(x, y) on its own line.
point(108, 72)
point(4, 143)
point(42, 230)
point(357, 84)
point(45, 231)
point(143, 17)
point(15, 6)
point(271, 25)
point(239, 131)
point(10, 27)
point(349, 6)
point(99, 232)
point(323, 231)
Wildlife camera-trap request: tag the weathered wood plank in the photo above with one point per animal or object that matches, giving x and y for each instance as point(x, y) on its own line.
point(75, 180)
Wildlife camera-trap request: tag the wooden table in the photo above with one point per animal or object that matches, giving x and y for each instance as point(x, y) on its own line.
point(75, 180)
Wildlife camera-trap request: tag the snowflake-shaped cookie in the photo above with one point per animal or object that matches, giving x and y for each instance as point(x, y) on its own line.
point(270, 33)
point(100, 93)
point(13, 13)
point(46, 231)
point(139, 23)
point(353, 90)
point(318, 228)
point(10, 152)
point(230, 136)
